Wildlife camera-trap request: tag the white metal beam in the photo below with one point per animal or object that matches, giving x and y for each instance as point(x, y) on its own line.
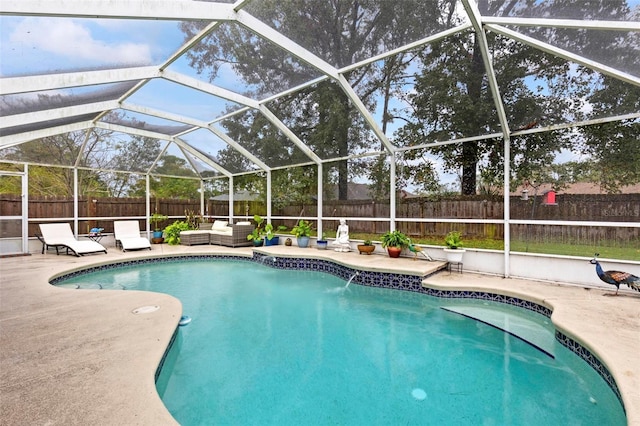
point(208, 88)
point(17, 139)
point(414, 45)
point(239, 4)
point(289, 134)
point(189, 159)
point(564, 23)
point(132, 130)
point(631, 116)
point(235, 145)
point(263, 30)
point(35, 83)
point(474, 15)
point(189, 44)
point(191, 150)
point(163, 114)
point(451, 141)
point(160, 154)
point(355, 100)
point(556, 51)
point(171, 10)
point(80, 155)
point(54, 114)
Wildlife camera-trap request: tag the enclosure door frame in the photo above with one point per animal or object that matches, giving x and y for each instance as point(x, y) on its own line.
point(24, 213)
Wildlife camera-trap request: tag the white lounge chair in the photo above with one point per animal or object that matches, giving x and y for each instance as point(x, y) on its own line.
point(60, 235)
point(127, 235)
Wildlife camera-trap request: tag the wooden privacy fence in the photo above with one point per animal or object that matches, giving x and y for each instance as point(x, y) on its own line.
point(604, 208)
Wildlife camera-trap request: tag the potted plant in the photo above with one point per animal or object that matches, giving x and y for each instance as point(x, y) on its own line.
point(157, 232)
point(454, 252)
point(366, 247)
point(257, 237)
point(322, 242)
point(271, 238)
point(394, 242)
point(258, 233)
point(302, 232)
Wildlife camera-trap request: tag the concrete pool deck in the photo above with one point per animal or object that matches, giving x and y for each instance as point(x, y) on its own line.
point(83, 357)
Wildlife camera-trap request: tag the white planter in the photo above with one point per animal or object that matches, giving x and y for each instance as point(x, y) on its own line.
point(454, 255)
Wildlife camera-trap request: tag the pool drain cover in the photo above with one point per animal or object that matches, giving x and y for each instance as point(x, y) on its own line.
point(419, 394)
point(146, 309)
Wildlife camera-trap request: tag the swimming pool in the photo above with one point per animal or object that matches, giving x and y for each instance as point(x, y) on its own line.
point(269, 346)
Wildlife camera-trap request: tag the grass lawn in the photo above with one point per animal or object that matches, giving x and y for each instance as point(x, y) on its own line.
point(607, 249)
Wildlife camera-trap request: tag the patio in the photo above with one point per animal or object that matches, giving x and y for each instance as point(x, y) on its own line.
point(83, 357)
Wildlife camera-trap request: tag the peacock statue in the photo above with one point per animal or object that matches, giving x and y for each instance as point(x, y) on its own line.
point(616, 277)
point(415, 250)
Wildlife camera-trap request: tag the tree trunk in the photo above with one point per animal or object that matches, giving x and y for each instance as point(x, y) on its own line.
point(342, 140)
point(470, 150)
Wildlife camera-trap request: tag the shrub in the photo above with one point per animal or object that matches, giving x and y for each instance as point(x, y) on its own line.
point(172, 232)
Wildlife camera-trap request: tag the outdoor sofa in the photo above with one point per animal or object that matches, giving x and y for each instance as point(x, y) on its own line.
point(234, 235)
point(219, 232)
point(196, 236)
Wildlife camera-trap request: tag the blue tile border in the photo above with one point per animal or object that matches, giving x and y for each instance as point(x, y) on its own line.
point(386, 280)
point(136, 262)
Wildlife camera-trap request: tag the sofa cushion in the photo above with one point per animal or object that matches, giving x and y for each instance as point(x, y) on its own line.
point(194, 232)
point(243, 223)
point(226, 230)
point(219, 225)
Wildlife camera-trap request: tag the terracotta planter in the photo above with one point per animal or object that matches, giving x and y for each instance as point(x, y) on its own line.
point(394, 251)
point(157, 240)
point(366, 249)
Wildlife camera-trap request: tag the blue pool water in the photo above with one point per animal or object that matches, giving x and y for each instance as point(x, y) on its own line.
point(273, 347)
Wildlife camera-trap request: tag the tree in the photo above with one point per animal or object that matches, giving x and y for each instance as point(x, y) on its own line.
point(138, 153)
point(170, 187)
point(61, 150)
point(341, 33)
point(615, 154)
point(452, 97)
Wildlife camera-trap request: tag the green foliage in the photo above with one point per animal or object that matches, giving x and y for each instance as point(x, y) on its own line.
point(302, 229)
point(395, 239)
point(367, 243)
point(172, 232)
point(270, 232)
point(293, 185)
point(615, 153)
point(169, 187)
point(259, 231)
point(61, 149)
point(155, 218)
point(453, 240)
